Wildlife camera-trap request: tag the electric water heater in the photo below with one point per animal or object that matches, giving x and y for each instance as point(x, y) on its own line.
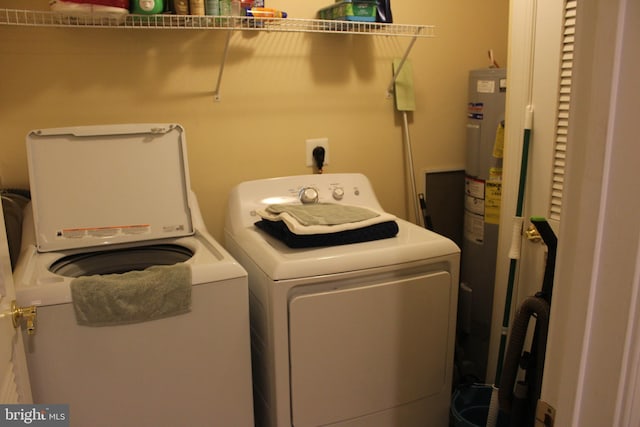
point(483, 185)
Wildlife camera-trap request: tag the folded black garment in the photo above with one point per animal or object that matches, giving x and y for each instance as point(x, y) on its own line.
point(279, 230)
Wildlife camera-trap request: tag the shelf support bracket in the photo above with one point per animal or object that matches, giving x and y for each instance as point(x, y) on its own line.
point(216, 92)
point(390, 88)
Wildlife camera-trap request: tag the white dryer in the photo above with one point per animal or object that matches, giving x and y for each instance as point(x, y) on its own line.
point(108, 202)
point(358, 335)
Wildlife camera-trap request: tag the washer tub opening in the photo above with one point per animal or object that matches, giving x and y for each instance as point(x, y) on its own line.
point(120, 260)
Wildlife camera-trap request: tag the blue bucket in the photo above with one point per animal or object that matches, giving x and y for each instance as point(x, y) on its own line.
point(470, 406)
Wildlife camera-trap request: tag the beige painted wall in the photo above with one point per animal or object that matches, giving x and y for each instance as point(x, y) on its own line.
point(277, 91)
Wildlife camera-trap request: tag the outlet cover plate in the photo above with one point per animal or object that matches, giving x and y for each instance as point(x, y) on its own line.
point(313, 143)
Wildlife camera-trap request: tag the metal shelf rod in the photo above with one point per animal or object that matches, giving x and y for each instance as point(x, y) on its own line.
point(193, 22)
point(40, 18)
point(216, 92)
point(390, 88)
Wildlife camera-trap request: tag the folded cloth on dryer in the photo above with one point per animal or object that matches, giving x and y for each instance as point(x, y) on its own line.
point(136, 296)
point(321, 218)
point(280, 231)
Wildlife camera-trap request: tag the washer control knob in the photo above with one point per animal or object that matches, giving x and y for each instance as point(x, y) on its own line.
point(338, 193)
point(308, 195)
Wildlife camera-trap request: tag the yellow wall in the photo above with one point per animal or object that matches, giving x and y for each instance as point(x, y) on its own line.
point(277, 90)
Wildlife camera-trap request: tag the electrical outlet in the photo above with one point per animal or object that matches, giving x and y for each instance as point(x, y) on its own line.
point(313, 143)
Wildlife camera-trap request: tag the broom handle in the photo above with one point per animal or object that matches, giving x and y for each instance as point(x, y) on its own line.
point(513, 262)
point(414, 192)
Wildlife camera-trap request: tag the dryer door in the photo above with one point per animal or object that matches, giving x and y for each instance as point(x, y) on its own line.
point(371, 349)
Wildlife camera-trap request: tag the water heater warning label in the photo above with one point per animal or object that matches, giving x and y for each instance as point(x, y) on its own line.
point(473, 227)
point(474, 187)
point(102, 232)
point(475, 110)
point(474, 205)
point(485, 86)
point(482, 206)
point(492, 202)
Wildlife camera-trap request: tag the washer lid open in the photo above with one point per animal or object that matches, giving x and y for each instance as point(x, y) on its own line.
point(104, 185)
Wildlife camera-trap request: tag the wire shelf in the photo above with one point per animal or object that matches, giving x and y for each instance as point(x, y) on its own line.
point(192, 22)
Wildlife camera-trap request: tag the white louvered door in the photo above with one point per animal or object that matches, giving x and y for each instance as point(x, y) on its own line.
point(539, 75)
point(564, 98)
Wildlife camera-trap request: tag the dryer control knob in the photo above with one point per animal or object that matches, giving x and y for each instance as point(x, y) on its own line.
point(338, 193)
point(308, 195)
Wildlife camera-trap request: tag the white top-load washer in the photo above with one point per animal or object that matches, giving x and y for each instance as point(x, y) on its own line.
point(108, 202)
point(350, 335)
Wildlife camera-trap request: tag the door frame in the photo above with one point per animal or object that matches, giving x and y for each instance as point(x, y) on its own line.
point(532, 79)
point(594, 323)
point(16, 389)
point(597, 287)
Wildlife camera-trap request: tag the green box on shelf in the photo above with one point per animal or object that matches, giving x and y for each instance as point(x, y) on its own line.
point(350, 10)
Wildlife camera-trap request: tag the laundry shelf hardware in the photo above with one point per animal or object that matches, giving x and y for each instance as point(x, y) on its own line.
point(37, 18)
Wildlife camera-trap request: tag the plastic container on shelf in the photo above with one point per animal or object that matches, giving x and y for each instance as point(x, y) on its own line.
point(235, 8)
point(147, 7)
point(181, 7)
point(225, 7)
point(246, 5)
point(350, 10)
point(212, 7)
point(384, 13)
point(266, 12)
point(196, 7)
point(83, 8)
point(383, 10)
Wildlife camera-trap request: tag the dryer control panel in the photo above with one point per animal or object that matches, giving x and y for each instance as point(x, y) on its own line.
point(334, 191)
point(312, 195)
point(349, 189)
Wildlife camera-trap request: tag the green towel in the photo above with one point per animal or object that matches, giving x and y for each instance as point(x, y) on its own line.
point(324, 213)
point(132, 297)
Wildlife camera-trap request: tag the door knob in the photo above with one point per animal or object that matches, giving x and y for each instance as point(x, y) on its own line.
point(28, 314)
point(532, 234)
